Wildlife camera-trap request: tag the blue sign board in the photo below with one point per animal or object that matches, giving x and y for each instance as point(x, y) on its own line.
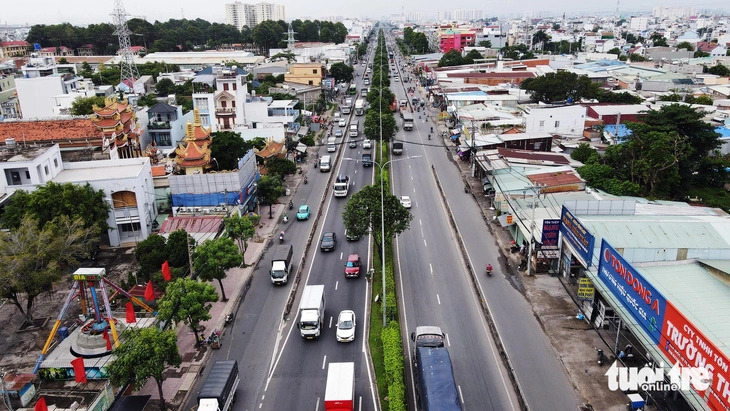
point(550, 233)
point(635, 293)
point(580, 239)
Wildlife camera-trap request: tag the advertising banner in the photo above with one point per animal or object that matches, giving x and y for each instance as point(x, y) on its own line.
point(683, 343)
point(635, 293)
point(578, 236)
point(550, 233)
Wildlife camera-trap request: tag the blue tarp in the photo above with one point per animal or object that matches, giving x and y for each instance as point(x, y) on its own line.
point(723, 131)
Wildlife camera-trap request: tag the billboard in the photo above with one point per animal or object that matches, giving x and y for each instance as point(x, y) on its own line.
point(578, 236)
point(683, 343)
point(550, 233)
point(635, 293)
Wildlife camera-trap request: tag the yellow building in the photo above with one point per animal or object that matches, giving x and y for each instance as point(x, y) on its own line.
point(306, 73)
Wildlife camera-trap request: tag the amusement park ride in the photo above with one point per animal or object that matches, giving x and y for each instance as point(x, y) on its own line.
point(90, 340)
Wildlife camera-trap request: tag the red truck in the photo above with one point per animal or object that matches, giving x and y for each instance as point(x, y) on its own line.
point(340, 392)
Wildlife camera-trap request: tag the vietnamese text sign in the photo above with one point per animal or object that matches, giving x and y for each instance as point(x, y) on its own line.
point(683, 343)
point(586, 291)
point(635, 293)
point(550, 232)
point(578, 236)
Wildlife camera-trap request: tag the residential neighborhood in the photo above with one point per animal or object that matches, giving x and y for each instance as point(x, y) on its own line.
point(529, 210)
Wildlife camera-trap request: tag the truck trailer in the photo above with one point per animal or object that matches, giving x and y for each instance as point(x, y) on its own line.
point(407, 120)
point(281, 264)
point(339, 395)
point(433, 372)
point(311, 311)
point(220, 387)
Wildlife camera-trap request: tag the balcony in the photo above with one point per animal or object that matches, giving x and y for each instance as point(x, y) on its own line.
point(159, 126)
point(221, 111)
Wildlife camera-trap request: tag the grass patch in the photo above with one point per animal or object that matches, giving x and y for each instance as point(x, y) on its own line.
point(712, 196)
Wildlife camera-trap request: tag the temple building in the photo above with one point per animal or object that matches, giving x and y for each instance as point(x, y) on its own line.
point(193, 156)
point(117, 123)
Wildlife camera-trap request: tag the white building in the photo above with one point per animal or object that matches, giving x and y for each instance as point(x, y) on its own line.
point(242, 14)
point(565, 120)
point(42, 97)
point(639, 23)
point(126, 183)
point(221, 103)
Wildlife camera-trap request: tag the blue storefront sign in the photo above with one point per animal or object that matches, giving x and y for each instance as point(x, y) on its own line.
point(550, 233)
point(579, 238)
point(635, 293)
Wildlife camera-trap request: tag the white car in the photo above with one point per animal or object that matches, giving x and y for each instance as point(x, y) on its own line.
point(405, 201)
point(346, 326)
point(342, 122)
point(367, 144)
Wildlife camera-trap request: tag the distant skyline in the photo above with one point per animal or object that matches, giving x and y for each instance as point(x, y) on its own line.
point(84, 12)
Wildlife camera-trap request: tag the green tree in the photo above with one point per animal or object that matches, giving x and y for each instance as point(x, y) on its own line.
point(473, 55)
point(177, 249)
point(84, 106)
point(583, 152)
point(485, 43)
point(150, 253)
point(144, 353)
point(148, 100)
point(618, 98)
point(719, 70)
point(187, 300)
point(33, 257)
point(227, 148)
point(240, 229)
point(685, 45)
point(540, 37)
point(281, 166)
point(700, 54)
point(615, 50)
point(671, 97)
point(341, 72)
point(270, 189)
point(636, 58)
point(53, 200)
point(560, 86)
point(213, 257)
point(658, 40)
point(266, 35)
point(363, 211)
point(451, 58)
point(704, 99)
point(164, 87)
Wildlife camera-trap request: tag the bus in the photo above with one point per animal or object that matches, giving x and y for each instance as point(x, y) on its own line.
point(353, 89)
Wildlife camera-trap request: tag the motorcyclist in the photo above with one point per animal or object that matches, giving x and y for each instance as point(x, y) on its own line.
point(489, 269)
point(432, 129)
point(281, 237)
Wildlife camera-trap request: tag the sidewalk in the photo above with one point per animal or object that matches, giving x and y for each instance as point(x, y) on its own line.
point(573, 340)
point(179, 381)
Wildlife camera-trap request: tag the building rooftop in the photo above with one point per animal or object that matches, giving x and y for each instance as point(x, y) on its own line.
point(21, 153)
point(49, 131)
point(100, 170)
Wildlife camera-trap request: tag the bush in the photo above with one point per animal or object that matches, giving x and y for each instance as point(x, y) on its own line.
point(307, 140)
point(393, 358)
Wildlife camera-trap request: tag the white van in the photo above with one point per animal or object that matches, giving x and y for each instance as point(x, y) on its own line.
point(331, 145)
point(325, 163)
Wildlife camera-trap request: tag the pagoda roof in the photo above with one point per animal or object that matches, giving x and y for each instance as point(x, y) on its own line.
point(271, 149)
point(192, 155)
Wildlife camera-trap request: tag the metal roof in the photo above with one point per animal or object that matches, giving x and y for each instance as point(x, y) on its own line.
point(705, 303)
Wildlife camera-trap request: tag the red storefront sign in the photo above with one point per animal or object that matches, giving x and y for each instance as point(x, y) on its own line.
point(682, 342)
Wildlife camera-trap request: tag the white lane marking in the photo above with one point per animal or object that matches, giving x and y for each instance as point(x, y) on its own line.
point(341, 254)
point(424, 243)
point(330, 322)
point(261, 404)
point(412, 179)
point(324, 362)
point(438, 298)
point(448, 342)
point(337, 283)
point(263, 397)
point(430, 267)
point(359, 407)
point(461, 395)
point(316, 407)
point(420, 222)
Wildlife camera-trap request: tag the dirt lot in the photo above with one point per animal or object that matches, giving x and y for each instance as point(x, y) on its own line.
point(19, 350)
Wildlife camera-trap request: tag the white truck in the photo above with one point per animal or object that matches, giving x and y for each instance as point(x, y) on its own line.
point(339, 394)
point(347, 106)
point(359, 107)
point(220, 387)
point(331, 145)
point(311, 312)
point(325, 163)
point(407, 120)
point(354, 124)
point(341, 186)
point(281, 264)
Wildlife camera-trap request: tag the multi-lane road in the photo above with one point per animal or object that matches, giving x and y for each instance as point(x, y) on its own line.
point(281, 371)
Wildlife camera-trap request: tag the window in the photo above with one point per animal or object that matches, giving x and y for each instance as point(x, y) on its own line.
point(45, 169)
point(557, 124)
point(233, 103)
point(201, 104)
point(163, 139)
point(223, 103)
point(129, 228)
point(311, 82)
point(27, 174)
point(55, 164)
point(205, 120)
point(314, 71)
point(542, 123)
point(225, 86)
point(234, 86)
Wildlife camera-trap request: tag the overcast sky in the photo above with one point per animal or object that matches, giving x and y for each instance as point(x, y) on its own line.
point(83, 12)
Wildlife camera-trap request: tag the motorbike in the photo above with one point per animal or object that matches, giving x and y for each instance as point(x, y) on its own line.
point(305, 179)
point(281, 237)
point(229, 319)
point(466, 188)
point(291, 204)
point(601, 356)
point(286, 218)
point(429, 136)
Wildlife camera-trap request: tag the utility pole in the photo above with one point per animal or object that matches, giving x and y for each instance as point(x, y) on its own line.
point(535, 194)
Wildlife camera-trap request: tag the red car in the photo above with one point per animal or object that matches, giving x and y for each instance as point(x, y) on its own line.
point(352, 268)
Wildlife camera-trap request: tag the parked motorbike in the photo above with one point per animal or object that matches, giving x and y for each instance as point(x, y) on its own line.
point(291, 204)
point(601, 356)
point(466, 188)
point(305, 179)
point(229, 319)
